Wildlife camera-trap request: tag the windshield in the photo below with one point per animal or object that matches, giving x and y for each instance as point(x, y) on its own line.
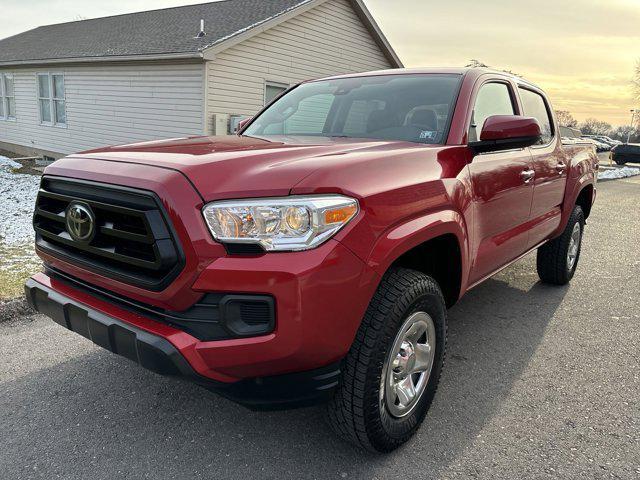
point(413, 108)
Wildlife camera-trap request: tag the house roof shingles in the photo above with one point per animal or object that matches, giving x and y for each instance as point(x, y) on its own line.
point(155, 32)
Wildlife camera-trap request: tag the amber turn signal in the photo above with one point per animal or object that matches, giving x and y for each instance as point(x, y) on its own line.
point(340, 215)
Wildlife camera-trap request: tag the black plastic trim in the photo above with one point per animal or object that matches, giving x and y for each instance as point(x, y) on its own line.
point(150, 351)
point(244, 249)
point(159, 355)
point(258, 320)
point(491, 146)
point(210, 318)
point(168, 256)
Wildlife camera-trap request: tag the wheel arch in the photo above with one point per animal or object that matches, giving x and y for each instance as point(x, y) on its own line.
point(435, 244)
point(580, 191)
point(585, 199)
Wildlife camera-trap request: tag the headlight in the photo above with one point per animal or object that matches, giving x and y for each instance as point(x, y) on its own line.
point(280, 224)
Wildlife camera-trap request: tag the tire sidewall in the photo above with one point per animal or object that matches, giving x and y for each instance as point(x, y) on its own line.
point(385, 431)
point(577, 216)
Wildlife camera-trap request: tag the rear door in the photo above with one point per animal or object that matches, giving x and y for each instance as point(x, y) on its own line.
point(502, 188)
point(550, 166)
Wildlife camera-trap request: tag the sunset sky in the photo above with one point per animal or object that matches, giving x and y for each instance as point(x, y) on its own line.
point(582, 52)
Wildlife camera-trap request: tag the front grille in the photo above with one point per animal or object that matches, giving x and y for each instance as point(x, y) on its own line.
point(133, 240)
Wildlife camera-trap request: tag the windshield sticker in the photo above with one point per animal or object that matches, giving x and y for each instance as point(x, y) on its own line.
point(428, 135)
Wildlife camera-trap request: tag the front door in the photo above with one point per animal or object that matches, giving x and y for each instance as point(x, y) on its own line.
point(502, 185)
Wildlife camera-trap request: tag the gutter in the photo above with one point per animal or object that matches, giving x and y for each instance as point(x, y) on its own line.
point(114, 58)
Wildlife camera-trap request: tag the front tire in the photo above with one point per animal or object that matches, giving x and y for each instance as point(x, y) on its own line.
point(558, 259)
point(392, 370)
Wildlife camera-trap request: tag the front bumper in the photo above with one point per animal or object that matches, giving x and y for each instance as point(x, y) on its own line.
point(159, 355)
point(320, 298)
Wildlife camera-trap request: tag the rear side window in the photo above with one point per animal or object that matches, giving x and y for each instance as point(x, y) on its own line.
point(534, 105)
point(492, 99)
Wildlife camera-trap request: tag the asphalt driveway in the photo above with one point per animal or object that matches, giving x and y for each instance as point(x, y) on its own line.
point(539, 382)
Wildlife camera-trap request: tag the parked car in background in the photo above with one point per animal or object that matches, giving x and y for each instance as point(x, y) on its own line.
point(605, 140)
point(313, 256)
point(608, 140)
point(600, 146)
point(569, 136)
point(626, 153)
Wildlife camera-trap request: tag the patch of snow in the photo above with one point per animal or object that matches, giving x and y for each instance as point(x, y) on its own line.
point(4, 161)
point(623, 172)
point(17, 200)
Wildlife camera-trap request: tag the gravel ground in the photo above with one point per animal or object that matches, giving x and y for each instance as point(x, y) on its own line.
point(540, 382)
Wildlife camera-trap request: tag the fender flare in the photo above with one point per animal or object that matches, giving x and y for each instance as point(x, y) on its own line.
point(571, 196)
point(401, 238)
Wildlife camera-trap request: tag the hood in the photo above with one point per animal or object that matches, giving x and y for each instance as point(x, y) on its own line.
point(237, 166)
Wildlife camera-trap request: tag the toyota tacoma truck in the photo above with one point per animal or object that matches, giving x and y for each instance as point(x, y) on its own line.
point(312, 257)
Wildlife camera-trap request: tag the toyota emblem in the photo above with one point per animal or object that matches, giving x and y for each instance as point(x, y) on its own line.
point(80, 222)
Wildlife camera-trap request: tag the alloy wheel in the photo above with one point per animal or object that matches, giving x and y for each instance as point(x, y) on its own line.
point(408, 365)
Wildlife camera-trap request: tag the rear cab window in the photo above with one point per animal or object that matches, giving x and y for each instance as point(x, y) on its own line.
point(534, 105)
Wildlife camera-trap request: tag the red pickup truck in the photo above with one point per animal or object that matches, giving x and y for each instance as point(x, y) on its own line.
point(313, 256)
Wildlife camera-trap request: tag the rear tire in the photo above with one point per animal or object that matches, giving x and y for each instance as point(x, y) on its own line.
point(558, 259)
point(401, 340)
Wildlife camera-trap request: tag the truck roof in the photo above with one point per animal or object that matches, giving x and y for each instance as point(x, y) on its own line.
point(464, 71)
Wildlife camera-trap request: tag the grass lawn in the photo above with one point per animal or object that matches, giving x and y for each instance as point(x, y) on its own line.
point(17, 263)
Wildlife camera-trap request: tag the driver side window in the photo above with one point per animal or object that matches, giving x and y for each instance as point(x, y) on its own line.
point(492, 99)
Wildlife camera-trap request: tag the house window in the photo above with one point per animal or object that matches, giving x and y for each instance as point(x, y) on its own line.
point(272, 90)
point(51, 99)
point(7, 97)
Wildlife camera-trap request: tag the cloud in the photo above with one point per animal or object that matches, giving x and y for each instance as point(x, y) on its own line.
point(582, 52)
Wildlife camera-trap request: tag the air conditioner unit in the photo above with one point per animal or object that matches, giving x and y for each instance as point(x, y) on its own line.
point(234, 122)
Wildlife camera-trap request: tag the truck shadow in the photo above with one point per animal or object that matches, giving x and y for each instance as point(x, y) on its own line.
point(97, 414)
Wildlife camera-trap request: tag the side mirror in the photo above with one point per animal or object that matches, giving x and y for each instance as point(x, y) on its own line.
point(506, 132)
point(242, 123)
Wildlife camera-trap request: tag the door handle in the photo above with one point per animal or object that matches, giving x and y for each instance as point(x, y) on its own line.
point(527, 175)
point(560, 167)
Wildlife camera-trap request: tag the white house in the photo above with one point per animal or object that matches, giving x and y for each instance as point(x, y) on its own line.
point(173, 72)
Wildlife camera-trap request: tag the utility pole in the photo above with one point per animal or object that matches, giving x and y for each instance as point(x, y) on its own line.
point(633, 122)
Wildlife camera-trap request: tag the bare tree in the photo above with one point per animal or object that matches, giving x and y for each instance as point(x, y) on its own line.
point(624, 132)
point(566, 119)
point(593, 126)
point(473, 63)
